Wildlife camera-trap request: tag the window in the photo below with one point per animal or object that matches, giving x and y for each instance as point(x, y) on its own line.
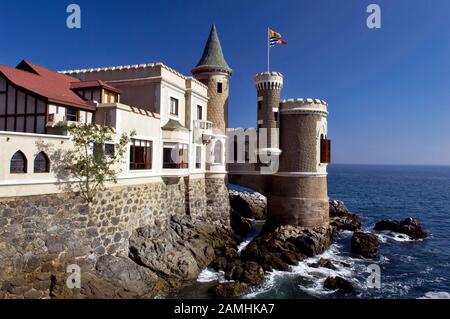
point(109, 150)
point(110, 97)
point(71, 115)
point(235, 149)
point(219, 87)
point(247, 149)
point(198, 157)
point(276, 116)
point(18, 163)
point(175, 155)
point(199, 112)
point(140, 154)
point(98, 150)
point(259, 105)
point(218, 152)
point(41, 163)
point(104, 150)
point(173, 106)
point(325, 150)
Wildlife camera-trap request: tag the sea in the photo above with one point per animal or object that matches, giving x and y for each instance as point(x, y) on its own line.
point(407, 268)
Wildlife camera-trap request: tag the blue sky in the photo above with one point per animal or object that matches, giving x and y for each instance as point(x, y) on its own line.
point(388, 89)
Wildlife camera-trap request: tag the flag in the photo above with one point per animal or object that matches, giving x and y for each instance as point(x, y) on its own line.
point(275, 38)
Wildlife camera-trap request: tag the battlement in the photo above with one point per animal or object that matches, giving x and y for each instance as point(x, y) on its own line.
point(269, 81)
point(132, 67)
point(301, 105)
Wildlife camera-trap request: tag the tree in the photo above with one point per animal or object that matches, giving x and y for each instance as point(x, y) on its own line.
point(87, 164)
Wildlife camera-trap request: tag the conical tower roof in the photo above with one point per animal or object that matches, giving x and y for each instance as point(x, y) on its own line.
point(212, 55)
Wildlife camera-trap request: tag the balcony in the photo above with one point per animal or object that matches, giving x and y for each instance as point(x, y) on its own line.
point(202, 130)
point(202, 125)
point(57, 119)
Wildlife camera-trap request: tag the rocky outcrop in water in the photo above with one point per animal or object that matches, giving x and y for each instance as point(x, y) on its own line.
point(338, 283)
point(248, 272)
point(287, 245)
point(408, 226)
point(249, 205)
point(239, 224)
point(323, 263)
point(341, 218)
point(364, 244)
point(229, 290)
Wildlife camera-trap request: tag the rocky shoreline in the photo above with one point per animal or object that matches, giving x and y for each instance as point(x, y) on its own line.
point(163, 260)
point(288, 245)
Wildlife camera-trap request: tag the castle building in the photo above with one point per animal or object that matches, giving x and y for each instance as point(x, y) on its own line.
point(297, 191)
point(168, 111)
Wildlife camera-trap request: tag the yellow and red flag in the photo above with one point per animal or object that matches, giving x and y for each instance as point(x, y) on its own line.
point(275, 38)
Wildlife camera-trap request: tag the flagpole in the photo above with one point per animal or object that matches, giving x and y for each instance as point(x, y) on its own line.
point(268, 50)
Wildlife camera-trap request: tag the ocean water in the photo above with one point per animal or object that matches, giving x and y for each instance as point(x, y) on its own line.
point(409, 269)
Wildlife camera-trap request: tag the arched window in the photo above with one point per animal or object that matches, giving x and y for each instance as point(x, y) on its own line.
point(18, 163)
point(41, 163)
point(218, 152)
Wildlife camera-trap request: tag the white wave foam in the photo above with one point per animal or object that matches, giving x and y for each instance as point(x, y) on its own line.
point(257, 227)
point(242, 245)
point(436, 295)
point(209, 274)
point(384, 236)
point(266, 286)
point(345, 268)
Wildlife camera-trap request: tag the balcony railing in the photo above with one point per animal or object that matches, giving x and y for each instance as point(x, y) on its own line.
point(202, 125)
point(53, 119)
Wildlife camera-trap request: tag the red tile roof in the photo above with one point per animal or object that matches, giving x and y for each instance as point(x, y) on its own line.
point(53, 86)
point(94, 84)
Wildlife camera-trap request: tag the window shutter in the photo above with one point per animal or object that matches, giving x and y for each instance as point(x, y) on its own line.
point(325, 151)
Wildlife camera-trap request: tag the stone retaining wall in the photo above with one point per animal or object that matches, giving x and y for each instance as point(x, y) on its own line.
point(43, 234)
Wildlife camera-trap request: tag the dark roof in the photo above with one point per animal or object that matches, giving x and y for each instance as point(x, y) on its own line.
point(53, 86)
point(94, 84)
point(212, 54)
point(173, 125)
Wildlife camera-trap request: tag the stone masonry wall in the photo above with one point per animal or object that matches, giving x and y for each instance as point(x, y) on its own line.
point(43, 234)
point(218, 202)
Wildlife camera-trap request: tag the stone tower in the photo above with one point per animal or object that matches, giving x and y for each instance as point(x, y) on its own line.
point(297, 192)
point(213, 71)
point(268, 87)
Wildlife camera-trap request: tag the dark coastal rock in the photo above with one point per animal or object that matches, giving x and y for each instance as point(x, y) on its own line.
point(220, 263)
point(287, 245)
point(247, 272)
point(239, 224)
point(182, 250)
point(229, 290)
point(408, 226)
point(341, 218)
point(95, 286)
point(338, 283)
point(126, 274)
point(249, 205)
point(365, 244)
point(323, 263)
